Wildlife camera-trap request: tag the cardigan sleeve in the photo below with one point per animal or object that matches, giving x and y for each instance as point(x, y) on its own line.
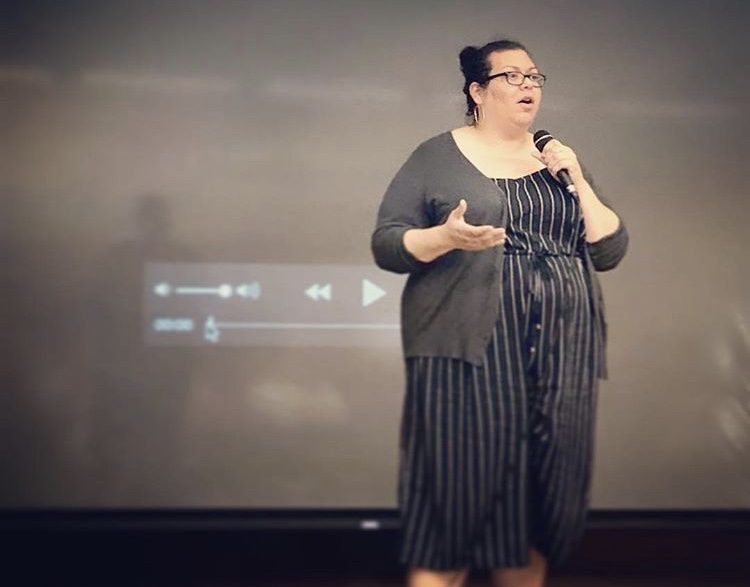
point(608, 251)
point(403, 207)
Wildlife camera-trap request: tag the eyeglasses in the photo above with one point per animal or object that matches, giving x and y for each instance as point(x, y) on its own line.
point(516, 78)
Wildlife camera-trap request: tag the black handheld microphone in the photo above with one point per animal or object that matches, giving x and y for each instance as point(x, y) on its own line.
point(541, 138)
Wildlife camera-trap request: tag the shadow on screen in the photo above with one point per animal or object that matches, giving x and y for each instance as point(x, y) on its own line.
point(139, 393)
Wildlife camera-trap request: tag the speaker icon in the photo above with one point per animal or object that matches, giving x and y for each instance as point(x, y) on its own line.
point(162, 289)
point(249, 290)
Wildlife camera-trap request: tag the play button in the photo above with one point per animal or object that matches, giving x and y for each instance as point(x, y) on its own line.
point(371, 293)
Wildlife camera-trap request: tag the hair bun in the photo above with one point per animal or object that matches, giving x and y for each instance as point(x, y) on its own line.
point(470, 58)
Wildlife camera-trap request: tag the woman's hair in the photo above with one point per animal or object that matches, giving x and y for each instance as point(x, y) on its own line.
point(476, 68)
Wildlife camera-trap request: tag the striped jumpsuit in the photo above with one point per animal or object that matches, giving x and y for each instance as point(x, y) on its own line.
point(497, 458)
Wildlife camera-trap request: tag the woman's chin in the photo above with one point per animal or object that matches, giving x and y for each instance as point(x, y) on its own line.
point(524, 120)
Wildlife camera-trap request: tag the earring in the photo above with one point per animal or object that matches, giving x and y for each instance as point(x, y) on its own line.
point(477, 114)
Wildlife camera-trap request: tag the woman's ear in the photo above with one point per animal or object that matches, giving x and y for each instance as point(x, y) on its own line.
point(477, 92)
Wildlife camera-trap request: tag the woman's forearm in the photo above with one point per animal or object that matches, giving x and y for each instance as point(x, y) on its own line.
point(427, 244)
point(600, 220)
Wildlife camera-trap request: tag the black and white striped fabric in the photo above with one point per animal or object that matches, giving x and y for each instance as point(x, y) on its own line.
point(497, 458)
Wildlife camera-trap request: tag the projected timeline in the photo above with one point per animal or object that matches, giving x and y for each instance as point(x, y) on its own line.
point(271, 305)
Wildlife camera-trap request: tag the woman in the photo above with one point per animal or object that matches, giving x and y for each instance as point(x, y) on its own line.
point(503, 332)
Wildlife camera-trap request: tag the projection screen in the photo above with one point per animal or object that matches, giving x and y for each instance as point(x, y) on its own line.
point(192, 316)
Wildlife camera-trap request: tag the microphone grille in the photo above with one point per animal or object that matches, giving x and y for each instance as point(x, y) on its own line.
point(541, 138)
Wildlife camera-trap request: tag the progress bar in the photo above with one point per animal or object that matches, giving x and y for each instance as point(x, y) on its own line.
point(304, 326)
point(212, 328)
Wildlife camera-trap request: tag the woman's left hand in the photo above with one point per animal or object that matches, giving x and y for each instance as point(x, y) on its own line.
point(557, 156)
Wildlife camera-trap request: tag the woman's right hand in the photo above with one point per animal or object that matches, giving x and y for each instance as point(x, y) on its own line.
point(427, 244)
point(468, 237)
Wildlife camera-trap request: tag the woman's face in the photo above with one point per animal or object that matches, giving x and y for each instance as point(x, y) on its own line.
point(505, 105)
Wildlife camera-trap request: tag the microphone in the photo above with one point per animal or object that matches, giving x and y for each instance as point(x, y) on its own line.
point(541, 138)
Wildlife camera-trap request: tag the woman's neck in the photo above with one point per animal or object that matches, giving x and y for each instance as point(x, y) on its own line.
point(509, 138)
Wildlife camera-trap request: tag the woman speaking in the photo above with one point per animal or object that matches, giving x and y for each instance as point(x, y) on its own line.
point(503, 331)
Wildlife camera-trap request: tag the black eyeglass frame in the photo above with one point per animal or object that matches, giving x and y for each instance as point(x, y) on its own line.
point(541, 76)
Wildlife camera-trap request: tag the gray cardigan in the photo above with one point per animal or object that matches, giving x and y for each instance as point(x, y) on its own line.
point(449, 306)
